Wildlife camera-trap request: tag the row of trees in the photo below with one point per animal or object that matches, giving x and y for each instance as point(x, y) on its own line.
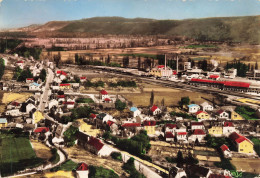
point(77, 113)
point(123, 83)
point(8, 44)
point(27, 52)
point(99, 83)
point(180, 160)
point(21, 75)
point(2, 68)
point(242, 68)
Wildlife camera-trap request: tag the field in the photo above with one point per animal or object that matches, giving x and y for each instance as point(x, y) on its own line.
point(16, 154)
point(8, 75)
point(246, 164)
point(171, 96)
point(78, 154)
point(41, 150)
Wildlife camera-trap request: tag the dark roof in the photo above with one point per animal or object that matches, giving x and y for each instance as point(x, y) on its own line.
point(131, 125)
point(149, 123)
point(171, 126)
point(238, 138)
point(228, 124)
point(197, 171)
point(96, 143)
point(197, 123)
point(169, 135)
point(198, 132)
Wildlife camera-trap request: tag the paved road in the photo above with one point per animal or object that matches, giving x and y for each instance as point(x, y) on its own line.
point(44, 96)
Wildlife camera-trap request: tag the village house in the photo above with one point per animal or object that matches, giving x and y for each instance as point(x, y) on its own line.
point(197, 134)
point(169, 137)
point(64, 86)
point(228, 128)
point(149, 126)
point(13, 105)
point(40, 131)
point(243, 144)
point(82, 171)
point(155, 110)
point(193, 108)
point(198, 171)
point(103, 95)
point(37, 117)
point(225, 150)
point(20, 64)
point(221, 114)
point(181, 136)
point(52, 103)
point(197, 125)
point(3, 123)
point(30, 107)
point(205, 106)
point(135, 111)
point(83, 79)
point(13, 112)
point(180, 128)
point(29, 80)
point(61, 98)
point(176, 172)
point(69, 104)
point(130, 129)
point(202, 115)
point(34, 87)
point(161, 71)
point(95, 146)
point(61, 74)
point(170, 128)
point(216, 131)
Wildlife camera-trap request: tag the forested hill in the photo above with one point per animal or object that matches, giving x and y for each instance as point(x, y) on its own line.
point(236, 29)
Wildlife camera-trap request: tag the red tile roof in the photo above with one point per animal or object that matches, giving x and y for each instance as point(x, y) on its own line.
point(197, 123)
point(41, 129)
point(154, 108)
point(220, 111)
point(83, 77)
point(103, 92)
point(149, 123)
point(29, 78)
point(238, 138)
point(109, 123)
point(225, 83)
point(131, 125)
point(174, 72)
point(61, 96)
point(228, 124)
point(169, 135)
point(224, 147)
point(19, 62)
point(214, 76)
point(198, 132)
point(181, 133)
point(82, 167)
point(93, 116)
point(96, 143)
point(160, 66)
point(171, 126)
point(14, 103)
point(201, 112)
point(64, 84)
point(68, 102)
point(107, 99)
point(61, 72)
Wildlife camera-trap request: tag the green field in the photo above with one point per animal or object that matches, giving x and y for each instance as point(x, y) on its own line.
point(16, 154)
point(67, 166)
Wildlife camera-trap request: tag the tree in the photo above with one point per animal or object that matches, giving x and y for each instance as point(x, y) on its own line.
point(152, 98)
point(42, 75)
point(77, 58)
point(108, 59)
point(191, 160)
point(184, 101)
point(162, 102)
point(256, 65)
point(204, 65)
point(70, 135)
point(57, 59)
point(179, 159)
point(139, 63)
point(120, 105)
point(2, 68)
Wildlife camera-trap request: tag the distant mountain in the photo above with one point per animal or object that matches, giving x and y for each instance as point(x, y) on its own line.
point(236, 29)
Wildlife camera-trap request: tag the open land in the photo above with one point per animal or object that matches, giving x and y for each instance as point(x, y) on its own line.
point(247, 165)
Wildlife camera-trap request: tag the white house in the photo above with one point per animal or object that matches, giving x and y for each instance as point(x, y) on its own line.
point(29, 108)
point(52, 103)
point(197, 125)
point(13, 112)
point(97, 147)
point(225, 150)
point(69, 104)
point(171, 128)
point(135, 111)
point(82, 171)
point(180, 128)
point(228, 128)
point(103, 94)
point(193, 108)
point(197, 134)
point(206, 106)
point(181, 136)
point(29, 80)
point(221, 114)
point(155, 110)
point(34, 87)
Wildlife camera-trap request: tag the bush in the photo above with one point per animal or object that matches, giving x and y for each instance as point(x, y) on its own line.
point(98, 172)
point(70, 135)
point(55, 156)
point(120, 105)
point(116, 156)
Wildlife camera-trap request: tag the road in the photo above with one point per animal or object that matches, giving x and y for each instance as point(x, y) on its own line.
point(44, 97)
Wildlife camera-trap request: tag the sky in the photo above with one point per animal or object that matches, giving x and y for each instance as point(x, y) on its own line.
point(20, 13)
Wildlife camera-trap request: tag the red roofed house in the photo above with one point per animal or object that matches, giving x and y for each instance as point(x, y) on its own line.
point(221, 114)
point(155, 110)
point(41, 130)
point(95, 146)
point(202, 115)
point(242, 144)
point(107, 100)
point(228, 128)
point(197, 134)
point(130, 129)
point(225, 150)
point(40, 133)
point(29, 80)
point(181, 136)
point(197, 125)
point(169, 137)
point(20, 64)
point(69, 104)
point(170, 127)
point(64, 86)
point(149, 126)
point(62, 74)
point(215, 77)
point(83, 79)
point(82, 170)
point(103, 94)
